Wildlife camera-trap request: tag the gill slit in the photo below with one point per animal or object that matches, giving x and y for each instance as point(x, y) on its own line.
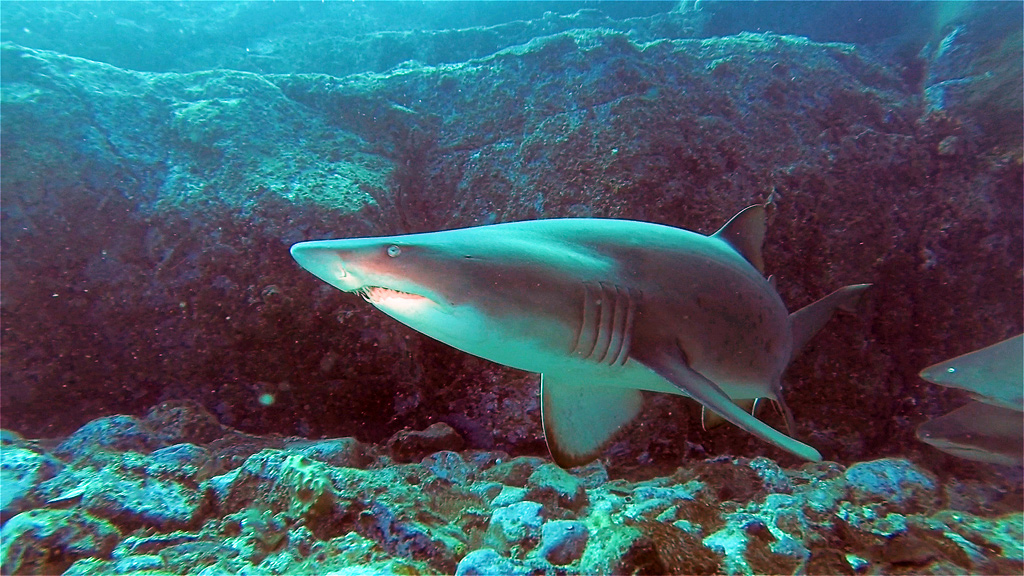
point(606, 323)
point(586, 337)
point(607, 304)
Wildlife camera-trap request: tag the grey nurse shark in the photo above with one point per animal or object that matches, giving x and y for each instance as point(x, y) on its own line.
point(990, 429)
point(601, 308)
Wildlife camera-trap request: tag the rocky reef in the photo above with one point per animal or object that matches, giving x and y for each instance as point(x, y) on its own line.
point(174, 492)
point(150, 196)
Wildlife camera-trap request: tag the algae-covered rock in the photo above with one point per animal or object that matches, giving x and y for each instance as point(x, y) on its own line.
point(282, 511)
point(772, 476)
point(184, 421)
point(658, 499)
point(488, 562)
point(404, 536)
point(111, 433)
point(49, 541)
point(450, 466)
point(515, 471)
point(131, 491)
point(516, 525)
point(891, 480)
point(293, 485)
point(135, 500)
point(658, 548)
point(563, 541)
point(592, 475)
point(344, 452)
point(609, 546)
point(183, 462)
point(509, 495)
point(21, 472)
point(138, 564)
point(555, 487)
point(409, 445)
point(821, 484)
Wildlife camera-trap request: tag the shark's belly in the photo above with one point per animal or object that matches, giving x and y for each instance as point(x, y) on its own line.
point(532, 356)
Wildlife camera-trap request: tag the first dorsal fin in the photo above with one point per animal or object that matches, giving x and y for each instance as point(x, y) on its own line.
point(745, 233)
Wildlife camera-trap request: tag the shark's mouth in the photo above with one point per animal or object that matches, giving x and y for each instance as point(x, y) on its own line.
point(378, 295)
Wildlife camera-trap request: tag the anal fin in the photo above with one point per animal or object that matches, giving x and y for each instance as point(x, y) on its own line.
point(580, 418)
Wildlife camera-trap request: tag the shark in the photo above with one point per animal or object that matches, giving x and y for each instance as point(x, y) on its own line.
point(978, 431)
point(991, 428)
point(603, 309)
point(993, 374)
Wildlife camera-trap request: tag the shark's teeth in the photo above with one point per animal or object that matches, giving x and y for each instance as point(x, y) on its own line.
point(377, 294)
point(606, 323)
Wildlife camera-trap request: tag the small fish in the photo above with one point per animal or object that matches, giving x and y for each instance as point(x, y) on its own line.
point(601, 308)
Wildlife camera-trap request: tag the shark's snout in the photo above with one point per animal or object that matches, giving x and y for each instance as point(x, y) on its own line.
point(324, 262)
point(354, 266)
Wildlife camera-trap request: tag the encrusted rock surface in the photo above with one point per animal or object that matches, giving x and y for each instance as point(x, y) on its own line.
point(281, 511)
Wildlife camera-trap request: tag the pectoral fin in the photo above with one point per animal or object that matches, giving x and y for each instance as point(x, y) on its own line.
point(671, 365)
point(580, 418)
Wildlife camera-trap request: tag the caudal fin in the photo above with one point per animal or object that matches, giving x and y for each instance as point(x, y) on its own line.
point(806, 321)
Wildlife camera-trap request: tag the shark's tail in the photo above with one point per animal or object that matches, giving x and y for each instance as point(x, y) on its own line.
point(806, 321)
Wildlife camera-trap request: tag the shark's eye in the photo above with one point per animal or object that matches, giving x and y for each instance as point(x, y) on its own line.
point(394, 251)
